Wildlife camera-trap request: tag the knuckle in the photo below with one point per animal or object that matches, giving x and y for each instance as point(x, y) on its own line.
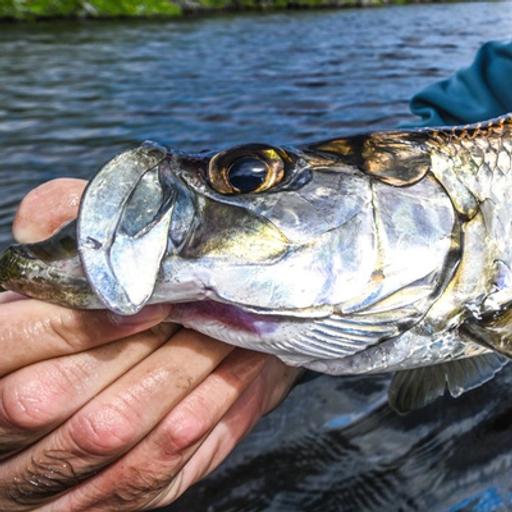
point(25, 405)
point(30, 400)
point(182, 430)
point(68, 328)
point(107, 430)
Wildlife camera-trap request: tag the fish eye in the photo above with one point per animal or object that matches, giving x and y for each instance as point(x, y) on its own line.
point(246, 169)
point(247, 174)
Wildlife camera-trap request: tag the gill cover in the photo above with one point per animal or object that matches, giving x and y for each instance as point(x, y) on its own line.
point(123, 227)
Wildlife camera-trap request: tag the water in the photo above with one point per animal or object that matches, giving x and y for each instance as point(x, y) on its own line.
point(74, 94)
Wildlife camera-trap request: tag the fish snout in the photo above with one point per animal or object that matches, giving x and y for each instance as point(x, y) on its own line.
point(134, 211)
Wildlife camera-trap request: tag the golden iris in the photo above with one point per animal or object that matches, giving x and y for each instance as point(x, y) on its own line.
point(240, 171)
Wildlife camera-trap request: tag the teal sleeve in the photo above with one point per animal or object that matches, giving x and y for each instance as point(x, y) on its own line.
point(481, 91)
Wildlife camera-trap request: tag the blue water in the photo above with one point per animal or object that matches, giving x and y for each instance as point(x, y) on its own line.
point(74, 94)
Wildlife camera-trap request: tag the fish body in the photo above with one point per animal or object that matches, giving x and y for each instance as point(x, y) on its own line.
point(387, 251)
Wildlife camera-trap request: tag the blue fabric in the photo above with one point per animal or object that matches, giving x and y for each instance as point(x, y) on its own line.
point(477, 93)
point(481, 91)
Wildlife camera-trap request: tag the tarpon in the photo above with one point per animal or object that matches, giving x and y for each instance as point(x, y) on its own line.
point(381, 252)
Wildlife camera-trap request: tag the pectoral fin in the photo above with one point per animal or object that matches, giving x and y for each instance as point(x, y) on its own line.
point(413, 389)
point(495, 334)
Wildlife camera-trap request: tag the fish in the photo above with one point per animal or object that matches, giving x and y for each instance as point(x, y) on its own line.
point(387, 251)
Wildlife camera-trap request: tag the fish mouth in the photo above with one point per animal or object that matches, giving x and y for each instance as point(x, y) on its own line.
point(134, 212)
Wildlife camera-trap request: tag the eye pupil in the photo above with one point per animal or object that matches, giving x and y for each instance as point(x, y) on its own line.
point(247, 174)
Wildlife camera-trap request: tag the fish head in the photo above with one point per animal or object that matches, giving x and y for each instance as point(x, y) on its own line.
point(264, 230)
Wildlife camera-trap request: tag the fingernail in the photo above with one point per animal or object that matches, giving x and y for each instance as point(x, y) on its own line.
point(149, 315)
point(25, 233)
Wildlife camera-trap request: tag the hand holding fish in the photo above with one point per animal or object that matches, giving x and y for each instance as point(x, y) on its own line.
point(101, 412)
point(386, 251)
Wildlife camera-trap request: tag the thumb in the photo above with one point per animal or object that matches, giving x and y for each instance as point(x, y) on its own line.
point(46, 208)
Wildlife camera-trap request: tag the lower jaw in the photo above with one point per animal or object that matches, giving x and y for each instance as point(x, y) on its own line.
point(230, 316)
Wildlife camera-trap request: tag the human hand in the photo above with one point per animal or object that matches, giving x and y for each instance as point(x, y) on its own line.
point(103, 413)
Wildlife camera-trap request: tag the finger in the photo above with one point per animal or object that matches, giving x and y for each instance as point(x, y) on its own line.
point(6, 297)
point(46, 208)
point(258, 399)
point(34, 331)
point(112, 423)
point(139, 477)
point(37, 399)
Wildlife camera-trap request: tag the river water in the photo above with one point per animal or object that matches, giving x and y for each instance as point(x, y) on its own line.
point(74, 94)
